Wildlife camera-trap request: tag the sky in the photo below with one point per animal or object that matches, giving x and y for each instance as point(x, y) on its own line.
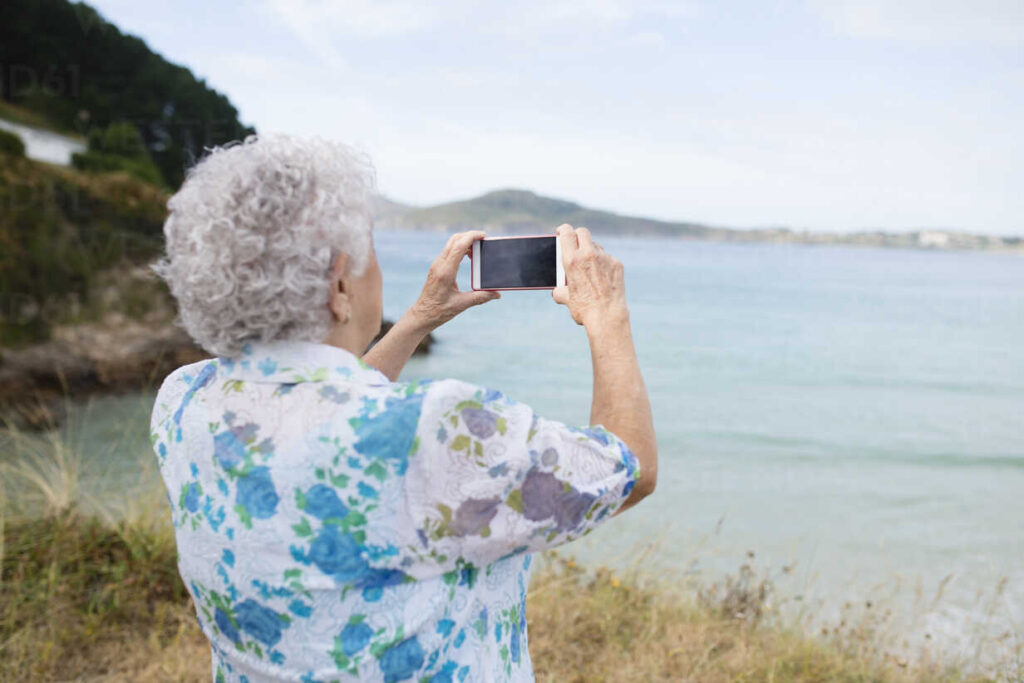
point(832, 116)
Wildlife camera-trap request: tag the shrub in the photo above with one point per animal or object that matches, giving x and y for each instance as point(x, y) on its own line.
point(11, 144)
point(59, 229)
point(119, 147)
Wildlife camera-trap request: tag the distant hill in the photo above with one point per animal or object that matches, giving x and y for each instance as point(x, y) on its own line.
point(523, 212)
point(385, 209)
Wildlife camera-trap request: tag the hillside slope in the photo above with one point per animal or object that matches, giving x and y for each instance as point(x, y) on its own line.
point(522, 211)
point(78, 72)
point(59, 229)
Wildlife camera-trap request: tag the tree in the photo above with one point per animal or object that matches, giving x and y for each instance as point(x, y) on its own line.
point(118, 148)
point(65, 62)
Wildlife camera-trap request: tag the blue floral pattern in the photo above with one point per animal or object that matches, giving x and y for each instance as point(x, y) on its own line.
point(333, 525)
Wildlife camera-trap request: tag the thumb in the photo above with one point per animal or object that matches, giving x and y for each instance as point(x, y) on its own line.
point(480, 297)
point(560, 294)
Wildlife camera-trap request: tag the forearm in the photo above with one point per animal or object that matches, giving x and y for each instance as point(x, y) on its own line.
point(392, 352)
point(620, 401)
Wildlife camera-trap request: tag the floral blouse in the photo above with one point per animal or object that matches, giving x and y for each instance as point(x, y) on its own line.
point(334, 525)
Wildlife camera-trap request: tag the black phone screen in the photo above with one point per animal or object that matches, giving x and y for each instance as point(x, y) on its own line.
point(517, 262)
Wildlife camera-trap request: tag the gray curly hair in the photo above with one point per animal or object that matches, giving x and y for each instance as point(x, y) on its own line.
point(252, 236)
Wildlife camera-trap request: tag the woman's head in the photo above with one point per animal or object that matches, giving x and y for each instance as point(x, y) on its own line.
point(270, 239)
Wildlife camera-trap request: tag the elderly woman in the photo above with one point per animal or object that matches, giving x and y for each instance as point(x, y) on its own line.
point(333, 522)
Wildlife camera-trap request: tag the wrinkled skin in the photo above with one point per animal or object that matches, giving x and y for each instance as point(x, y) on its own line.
point(595, 279)
point(441, 300)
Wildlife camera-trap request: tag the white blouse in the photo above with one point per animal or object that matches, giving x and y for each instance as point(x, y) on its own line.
point(334, 525)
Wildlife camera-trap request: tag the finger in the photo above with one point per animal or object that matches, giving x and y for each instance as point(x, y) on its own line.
point(585, 241)
point(479, 297)
point(567, 238)
point(460, 246)
point(560, 294)
point(448, 245)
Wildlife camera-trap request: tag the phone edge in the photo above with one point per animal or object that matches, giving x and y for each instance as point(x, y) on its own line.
point(475, 264)
point(474, 276)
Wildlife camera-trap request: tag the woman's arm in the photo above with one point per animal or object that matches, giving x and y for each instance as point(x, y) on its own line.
point(393, 350)
point(620, 401)
point(439, 302)
point(596, 297)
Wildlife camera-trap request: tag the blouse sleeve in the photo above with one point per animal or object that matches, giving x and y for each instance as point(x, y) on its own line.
point(490, 478)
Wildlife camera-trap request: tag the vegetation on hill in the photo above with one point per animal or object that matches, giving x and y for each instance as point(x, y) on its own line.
point(17, 114)
point(63, 62)
point(118, 148)
point(11, 144)
point(384, 209)
point(59, 230)
point(521, 211)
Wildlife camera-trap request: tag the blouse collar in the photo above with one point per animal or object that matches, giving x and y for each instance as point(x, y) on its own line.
point(292, 362)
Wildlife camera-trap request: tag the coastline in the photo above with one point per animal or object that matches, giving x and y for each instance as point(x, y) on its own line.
point(111, 356)
point(513, 211)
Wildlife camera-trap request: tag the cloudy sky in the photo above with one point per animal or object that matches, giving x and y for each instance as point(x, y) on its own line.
point(894, 114)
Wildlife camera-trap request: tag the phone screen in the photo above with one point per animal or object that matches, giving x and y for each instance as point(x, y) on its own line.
point(517, 262)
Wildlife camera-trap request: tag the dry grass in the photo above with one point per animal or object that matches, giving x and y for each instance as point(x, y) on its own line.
point(90, 595)
point(596, 626)
point(84, 599)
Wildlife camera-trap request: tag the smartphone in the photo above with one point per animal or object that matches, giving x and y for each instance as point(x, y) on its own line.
point(517, 262)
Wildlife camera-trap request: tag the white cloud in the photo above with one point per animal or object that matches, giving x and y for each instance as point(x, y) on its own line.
point(751, 170)
point(646, 108)
point(244, 66)
point(927, 21)
point(652, 39)
point(605, 12)
point(320, 23)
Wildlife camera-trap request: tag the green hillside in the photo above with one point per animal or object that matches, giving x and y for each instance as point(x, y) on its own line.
point(521, 211)
point(524, 212)
point(60, 230)
point(67, 68)
point(385, 209)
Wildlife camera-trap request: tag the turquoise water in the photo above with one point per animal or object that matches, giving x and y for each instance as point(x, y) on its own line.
point(855, 414)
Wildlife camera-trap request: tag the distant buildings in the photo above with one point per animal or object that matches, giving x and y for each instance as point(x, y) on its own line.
point(42, 145)
point(933, 239)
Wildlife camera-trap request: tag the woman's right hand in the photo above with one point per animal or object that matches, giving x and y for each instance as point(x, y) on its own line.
point(441, 300)
point(595, 293)
point(595, 290)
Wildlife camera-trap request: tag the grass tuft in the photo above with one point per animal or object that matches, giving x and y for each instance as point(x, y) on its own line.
point(85, 598)
point(77, 591)
point(89, 592)
point(598, 626)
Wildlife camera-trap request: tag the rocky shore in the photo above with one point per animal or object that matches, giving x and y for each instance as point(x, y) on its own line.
point(115, 355)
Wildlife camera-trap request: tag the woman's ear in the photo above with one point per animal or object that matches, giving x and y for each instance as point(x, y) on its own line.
point(337, 300)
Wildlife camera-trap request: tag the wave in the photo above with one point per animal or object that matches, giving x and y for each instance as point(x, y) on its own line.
point(800, 449)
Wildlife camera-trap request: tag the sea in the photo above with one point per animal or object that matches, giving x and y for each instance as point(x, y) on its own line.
point(846, 422)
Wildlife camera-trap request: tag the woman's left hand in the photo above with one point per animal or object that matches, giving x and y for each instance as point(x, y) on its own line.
point(441, 300)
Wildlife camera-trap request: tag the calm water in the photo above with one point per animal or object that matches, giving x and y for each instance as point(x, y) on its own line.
point(856, 413)
point(859, 413)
